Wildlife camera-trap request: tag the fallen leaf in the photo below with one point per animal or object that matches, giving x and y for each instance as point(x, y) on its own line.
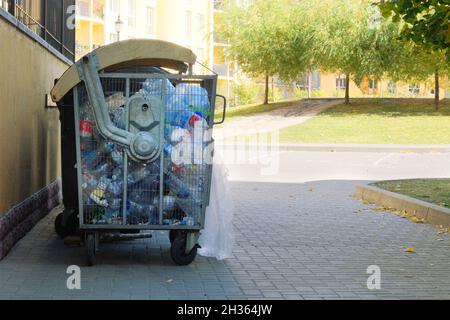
point(311, 190)
point(416, 219)
point(409, 250)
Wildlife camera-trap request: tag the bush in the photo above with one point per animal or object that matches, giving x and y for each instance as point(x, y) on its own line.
point(249, 93)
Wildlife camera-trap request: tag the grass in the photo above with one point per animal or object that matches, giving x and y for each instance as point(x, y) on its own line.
point(435, 191)
point(376, 121)
point(252, 109)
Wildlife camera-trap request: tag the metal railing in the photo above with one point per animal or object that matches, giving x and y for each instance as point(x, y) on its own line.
point(36, 27)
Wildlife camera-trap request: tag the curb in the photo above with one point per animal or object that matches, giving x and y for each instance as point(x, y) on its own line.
point(430, 213)
point(340, 148)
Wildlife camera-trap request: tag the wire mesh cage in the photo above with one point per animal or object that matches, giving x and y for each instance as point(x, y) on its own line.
point(172, 191)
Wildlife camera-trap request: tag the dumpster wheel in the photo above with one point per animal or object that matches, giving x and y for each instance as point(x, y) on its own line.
point(91, 248)
point(66, 223)
point(173, 234)
point(178, 251)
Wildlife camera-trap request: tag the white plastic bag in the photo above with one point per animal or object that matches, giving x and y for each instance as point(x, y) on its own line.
point(217, 239)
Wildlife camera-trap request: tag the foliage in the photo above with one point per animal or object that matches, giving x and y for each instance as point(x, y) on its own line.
point(425, 22)
point(248, 92)
point(263, 40)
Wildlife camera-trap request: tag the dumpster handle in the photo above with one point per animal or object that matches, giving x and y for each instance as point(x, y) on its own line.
point(224, 109)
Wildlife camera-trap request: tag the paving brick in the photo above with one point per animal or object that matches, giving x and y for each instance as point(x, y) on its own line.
point(316, 245)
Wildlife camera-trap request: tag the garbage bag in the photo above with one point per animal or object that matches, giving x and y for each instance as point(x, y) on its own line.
point(217, 239)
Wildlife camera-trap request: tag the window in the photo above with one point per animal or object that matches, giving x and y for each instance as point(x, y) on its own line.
point(114, 7)
point(200, 21)
point(151, 21)
point(303, 82)
point(373, 84)
point(188, 24)
point(132, 13)
point(414, 88)
point(391, 87)
point(340, 83)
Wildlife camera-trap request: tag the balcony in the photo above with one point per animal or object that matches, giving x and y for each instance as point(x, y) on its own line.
point(99, 9)
point(84, 8)
point(88, 9)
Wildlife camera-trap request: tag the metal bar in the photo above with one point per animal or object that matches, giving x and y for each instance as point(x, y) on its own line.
point(88, 72)
point(44, 30)
point(125, 156)
point(161, 164)
point(76, 107)
point(156, 76)
point(140, 227)
point(44, 17)
point(61, 43)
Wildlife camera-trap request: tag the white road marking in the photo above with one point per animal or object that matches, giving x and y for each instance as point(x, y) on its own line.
point(376, 163)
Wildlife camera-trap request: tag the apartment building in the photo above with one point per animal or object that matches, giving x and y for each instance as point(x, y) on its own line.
point(186, 22)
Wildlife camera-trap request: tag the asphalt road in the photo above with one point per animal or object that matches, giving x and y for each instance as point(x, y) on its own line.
point(291, 166)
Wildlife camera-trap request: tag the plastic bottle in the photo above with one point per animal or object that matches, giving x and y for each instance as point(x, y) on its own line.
point(118, 117)
point(140, 214)
point(195, 98)
point(99, 193)
point(113, 210)
point(155, 87)
point(182, 119)
point(177, 186)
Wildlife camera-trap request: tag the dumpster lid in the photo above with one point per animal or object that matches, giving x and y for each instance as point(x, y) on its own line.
point(129, 53)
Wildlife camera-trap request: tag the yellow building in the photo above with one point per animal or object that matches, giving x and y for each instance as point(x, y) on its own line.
point(185, 22)
point(227, 70)
point(333, 85)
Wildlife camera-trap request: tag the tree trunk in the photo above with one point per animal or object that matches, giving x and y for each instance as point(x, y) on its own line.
point(266, 94)
point(436, 89)
point(347, 89)
point(273, 91)
point(310, 85)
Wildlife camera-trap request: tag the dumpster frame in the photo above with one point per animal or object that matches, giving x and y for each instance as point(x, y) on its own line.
point(110, 61)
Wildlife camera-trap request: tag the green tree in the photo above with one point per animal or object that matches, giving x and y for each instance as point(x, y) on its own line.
point(351, 36)
point(262, 40)
point(425, 22)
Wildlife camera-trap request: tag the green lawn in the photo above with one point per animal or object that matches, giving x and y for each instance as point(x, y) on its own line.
point(376, 121)
point(252, 109)
point(435, 191)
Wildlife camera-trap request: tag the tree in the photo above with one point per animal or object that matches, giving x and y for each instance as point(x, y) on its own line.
point(426, 24)
point(352, 38)
point(263, 42)
point(419, 64)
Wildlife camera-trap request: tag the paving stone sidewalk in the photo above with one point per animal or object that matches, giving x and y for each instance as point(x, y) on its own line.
point(294, 241)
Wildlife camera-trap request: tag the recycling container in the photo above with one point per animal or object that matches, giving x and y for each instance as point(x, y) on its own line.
point(136, 144)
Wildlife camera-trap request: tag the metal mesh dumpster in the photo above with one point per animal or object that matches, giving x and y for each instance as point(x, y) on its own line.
point(143, 141)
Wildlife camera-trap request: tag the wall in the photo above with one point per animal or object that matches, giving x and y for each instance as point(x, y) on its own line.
point(29, 133)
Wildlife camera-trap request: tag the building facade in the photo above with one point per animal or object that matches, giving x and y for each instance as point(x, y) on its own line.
point(37, 46)
point(184, 22)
